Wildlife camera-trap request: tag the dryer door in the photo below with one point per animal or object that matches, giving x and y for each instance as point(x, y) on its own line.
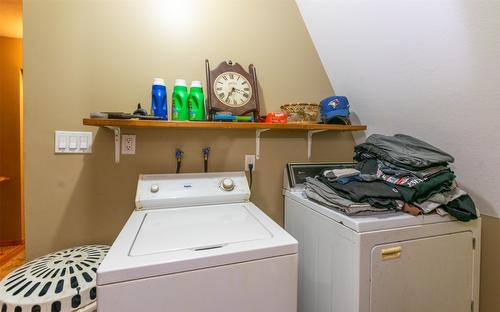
point(431, 274)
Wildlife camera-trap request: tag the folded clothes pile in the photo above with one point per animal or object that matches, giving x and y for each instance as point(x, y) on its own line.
point(325, 195)
point(396, 172)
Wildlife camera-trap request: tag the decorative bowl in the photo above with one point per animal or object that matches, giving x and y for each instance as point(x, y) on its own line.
point(301, 112)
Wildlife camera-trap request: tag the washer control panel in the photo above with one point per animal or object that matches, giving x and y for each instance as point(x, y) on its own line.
point(189, 189)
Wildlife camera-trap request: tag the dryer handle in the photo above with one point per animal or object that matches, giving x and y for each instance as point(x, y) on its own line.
point(391, 253)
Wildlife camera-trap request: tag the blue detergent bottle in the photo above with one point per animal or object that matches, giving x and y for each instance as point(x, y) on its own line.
point(159, 98)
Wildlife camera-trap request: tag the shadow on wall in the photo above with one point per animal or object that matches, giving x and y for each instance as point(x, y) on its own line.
point(359, 136)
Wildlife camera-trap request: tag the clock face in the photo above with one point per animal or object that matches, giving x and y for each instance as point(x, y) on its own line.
point(232, 89)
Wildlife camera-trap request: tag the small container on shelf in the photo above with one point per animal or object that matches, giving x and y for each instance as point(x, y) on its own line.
point(276, 117)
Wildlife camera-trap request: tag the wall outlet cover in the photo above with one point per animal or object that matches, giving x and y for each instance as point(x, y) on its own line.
point(249, 159)
point(128, 144)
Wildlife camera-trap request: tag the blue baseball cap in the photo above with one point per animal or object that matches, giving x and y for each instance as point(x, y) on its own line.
point(334, 106)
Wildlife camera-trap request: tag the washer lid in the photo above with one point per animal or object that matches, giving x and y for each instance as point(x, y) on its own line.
point(167, 241)
point(196, 228)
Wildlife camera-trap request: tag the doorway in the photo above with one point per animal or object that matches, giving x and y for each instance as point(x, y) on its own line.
point(11, 137)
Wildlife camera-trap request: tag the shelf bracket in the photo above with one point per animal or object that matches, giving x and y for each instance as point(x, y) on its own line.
point(309, 141)
point(117, 133)
point(257, 142)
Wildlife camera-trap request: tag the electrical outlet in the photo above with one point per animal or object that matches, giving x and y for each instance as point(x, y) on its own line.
point(128, 144)
point(249, 159)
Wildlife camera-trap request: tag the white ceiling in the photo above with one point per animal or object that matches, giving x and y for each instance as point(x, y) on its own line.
point(11, 18)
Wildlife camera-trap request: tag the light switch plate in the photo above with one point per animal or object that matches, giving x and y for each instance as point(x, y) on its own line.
point(73, 142)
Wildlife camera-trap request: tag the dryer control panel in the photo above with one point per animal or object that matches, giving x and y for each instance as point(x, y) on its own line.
point(190, 189)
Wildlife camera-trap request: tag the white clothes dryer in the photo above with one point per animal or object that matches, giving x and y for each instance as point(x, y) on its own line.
point(388, 262)
point(196, 243)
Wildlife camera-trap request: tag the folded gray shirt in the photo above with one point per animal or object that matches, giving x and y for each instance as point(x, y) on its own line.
point(318, 191)
point(402, 150)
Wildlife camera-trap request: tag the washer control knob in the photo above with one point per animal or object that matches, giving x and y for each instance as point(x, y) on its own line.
point(227, 184)
point(155, 188)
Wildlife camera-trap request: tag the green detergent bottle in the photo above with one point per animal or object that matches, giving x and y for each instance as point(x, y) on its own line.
point(180, 100)
point(196, 101)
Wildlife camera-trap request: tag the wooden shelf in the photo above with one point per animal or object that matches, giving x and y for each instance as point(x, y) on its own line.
point(134, 123)
point(116, 124)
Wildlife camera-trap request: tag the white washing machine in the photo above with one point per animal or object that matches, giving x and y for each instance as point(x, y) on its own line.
point(196, 243)
point(391, 262)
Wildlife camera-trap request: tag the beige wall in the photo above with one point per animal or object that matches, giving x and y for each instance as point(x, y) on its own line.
point(86, 56)
point(10, 149)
